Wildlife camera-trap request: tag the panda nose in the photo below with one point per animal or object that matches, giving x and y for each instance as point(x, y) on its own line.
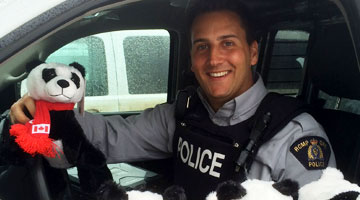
point(63, 83)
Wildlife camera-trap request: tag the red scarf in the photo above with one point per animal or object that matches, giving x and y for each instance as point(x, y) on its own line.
point(33, 137)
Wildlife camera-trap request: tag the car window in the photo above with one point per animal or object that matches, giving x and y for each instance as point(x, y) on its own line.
point(125, 70)
point(287, 61)
point(89, 52)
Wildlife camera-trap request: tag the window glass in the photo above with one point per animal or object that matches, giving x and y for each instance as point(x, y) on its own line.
point(148, 61)
point(287, 61)
point(90, 53)
point(125, 70)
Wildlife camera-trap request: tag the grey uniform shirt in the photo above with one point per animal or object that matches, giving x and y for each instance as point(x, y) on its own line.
point(149, 136)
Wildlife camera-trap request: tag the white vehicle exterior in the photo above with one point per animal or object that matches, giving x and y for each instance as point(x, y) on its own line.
point(8, 7)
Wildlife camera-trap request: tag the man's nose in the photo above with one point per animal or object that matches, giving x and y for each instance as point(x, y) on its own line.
point(215, 56)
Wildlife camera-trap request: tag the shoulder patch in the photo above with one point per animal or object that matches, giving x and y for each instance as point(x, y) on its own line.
point(312, 152)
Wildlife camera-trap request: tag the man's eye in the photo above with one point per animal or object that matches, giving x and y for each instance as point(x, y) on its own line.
point(202, 47)
point(228, 43)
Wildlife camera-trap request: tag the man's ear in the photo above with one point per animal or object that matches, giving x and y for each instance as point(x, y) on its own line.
point(254, 52)
point(31, 65)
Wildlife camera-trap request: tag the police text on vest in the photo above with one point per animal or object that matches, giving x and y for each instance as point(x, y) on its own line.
point(196, 159)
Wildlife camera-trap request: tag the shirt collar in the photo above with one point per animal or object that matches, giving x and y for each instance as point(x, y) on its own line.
point(239, 109)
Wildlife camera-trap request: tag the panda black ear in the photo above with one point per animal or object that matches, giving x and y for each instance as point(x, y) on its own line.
point(351, 195)
point(31, 65)
point(174, 193)
point(78, 67)
point(288, 187)
point(230, 190)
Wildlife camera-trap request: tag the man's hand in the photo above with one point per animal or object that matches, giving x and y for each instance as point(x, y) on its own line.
point(23, 110)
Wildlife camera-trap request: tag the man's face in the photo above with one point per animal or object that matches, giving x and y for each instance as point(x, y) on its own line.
point(221, 57)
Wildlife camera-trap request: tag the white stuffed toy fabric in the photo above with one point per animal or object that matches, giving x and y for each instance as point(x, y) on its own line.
point(137, 195)
point(112, 191)
point(256, 190)
point(331, 186)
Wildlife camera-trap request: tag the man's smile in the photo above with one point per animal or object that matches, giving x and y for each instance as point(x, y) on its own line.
point(218, 74)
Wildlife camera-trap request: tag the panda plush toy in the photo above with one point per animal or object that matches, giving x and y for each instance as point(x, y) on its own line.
point(253, 189)
point(112, 191)
point(54, 131)
point(330, 186)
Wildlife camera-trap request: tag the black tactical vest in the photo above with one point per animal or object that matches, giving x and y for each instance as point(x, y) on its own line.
point(206, 154)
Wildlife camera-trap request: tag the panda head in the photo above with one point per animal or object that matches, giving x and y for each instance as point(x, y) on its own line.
point(255, 189)
point(55, 82)
point(330, 186)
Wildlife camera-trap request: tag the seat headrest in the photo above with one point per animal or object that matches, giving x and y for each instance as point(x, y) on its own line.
point(333, 66)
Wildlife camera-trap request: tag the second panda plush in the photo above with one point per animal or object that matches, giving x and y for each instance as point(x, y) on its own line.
point(330, 186)
point(54, 132)
point(254, 189)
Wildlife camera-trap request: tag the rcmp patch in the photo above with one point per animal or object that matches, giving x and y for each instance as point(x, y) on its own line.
point(312, 152)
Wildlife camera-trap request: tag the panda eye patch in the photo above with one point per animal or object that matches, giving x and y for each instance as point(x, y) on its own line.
point(48, 74)
point(75, 78)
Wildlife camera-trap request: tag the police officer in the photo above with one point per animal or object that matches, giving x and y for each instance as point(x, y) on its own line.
point(207, 140)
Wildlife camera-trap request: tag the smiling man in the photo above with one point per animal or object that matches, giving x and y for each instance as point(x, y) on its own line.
point(221, 56)
point(209, 133)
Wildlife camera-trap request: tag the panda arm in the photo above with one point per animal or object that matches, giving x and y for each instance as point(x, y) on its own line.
point(65, 127)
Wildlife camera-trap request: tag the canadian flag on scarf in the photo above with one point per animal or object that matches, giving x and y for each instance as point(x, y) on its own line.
point(41, 129)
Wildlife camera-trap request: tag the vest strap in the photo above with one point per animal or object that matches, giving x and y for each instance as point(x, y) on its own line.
point(274, 113)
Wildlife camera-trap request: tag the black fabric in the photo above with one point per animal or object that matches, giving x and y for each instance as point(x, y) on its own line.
point(40, 180)
point(230, 190)
point(10, 153)
point(17, 169)
point(90, 162)
point(288, 187)
point(197, 133)
point(351, 195)
point(333, 66)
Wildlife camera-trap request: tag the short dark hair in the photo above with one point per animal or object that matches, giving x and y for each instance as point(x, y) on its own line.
point(199, 7)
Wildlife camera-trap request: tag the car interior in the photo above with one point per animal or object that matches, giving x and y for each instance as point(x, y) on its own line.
point(307, 49)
